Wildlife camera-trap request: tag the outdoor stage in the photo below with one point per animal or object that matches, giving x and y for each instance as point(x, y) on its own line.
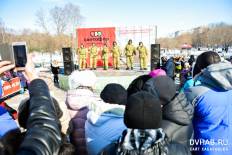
point(123, 77)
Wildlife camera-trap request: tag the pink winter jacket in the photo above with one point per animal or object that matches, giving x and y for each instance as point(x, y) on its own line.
point(77, 102)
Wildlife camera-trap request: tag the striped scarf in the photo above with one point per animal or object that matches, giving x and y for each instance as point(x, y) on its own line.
point(143, 142)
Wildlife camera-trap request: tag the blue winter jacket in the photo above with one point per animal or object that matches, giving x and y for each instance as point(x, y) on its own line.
point(188, 84)
point(170, 68)
point(102, 129)
point(6, 122)
point(213, 111)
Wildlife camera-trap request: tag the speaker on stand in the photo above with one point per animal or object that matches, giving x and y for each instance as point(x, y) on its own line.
point(68, 60)
point(155, 56)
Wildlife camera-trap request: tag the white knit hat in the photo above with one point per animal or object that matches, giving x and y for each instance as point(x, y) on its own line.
point(82, 78)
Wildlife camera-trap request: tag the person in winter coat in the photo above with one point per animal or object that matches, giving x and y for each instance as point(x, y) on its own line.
point(177, 111)
point(188, 84)
point(169, 67)
point(77, 100)
point(212, 100)
point(144, 135)
point(187, 80)
point(185, 74)
point(43, 135)
point(10, 142)
point(55, 71)
point(23, 117)
point(12, 139)
point(191, 60)
point(104, 123)
point(178, 65)
point(62, 114)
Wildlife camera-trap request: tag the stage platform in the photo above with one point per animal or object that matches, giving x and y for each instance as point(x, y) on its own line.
point(123, 77)
point(111, 72)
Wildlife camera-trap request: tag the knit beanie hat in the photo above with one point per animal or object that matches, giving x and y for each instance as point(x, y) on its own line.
point(137, 84)
point(143, 111)
point(114, 93)
point(82, 79)
point(162, 87)
point(157, 72)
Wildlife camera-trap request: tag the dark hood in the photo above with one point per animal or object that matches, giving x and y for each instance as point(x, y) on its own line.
point(179, 110)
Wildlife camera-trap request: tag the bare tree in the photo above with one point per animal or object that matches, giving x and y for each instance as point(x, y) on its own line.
point(73, 15)
point(64, 19)
point(59, 19)
point(41, 20)
point(2, 31)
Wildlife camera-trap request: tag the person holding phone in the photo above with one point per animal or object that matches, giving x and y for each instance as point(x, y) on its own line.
point(43, 134)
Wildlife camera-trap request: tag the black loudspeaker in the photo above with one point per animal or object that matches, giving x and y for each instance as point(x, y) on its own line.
point(155, 56)
point(67, 54)
point(68, 61)
point(68, 67)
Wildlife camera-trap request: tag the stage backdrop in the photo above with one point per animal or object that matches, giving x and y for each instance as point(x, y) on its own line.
point(99, 36)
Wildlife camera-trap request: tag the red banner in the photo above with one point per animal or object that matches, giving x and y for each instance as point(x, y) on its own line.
point(98, 36)
point(10, 87)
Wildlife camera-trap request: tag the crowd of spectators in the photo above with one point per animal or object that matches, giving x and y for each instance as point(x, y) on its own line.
point(153, 116)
